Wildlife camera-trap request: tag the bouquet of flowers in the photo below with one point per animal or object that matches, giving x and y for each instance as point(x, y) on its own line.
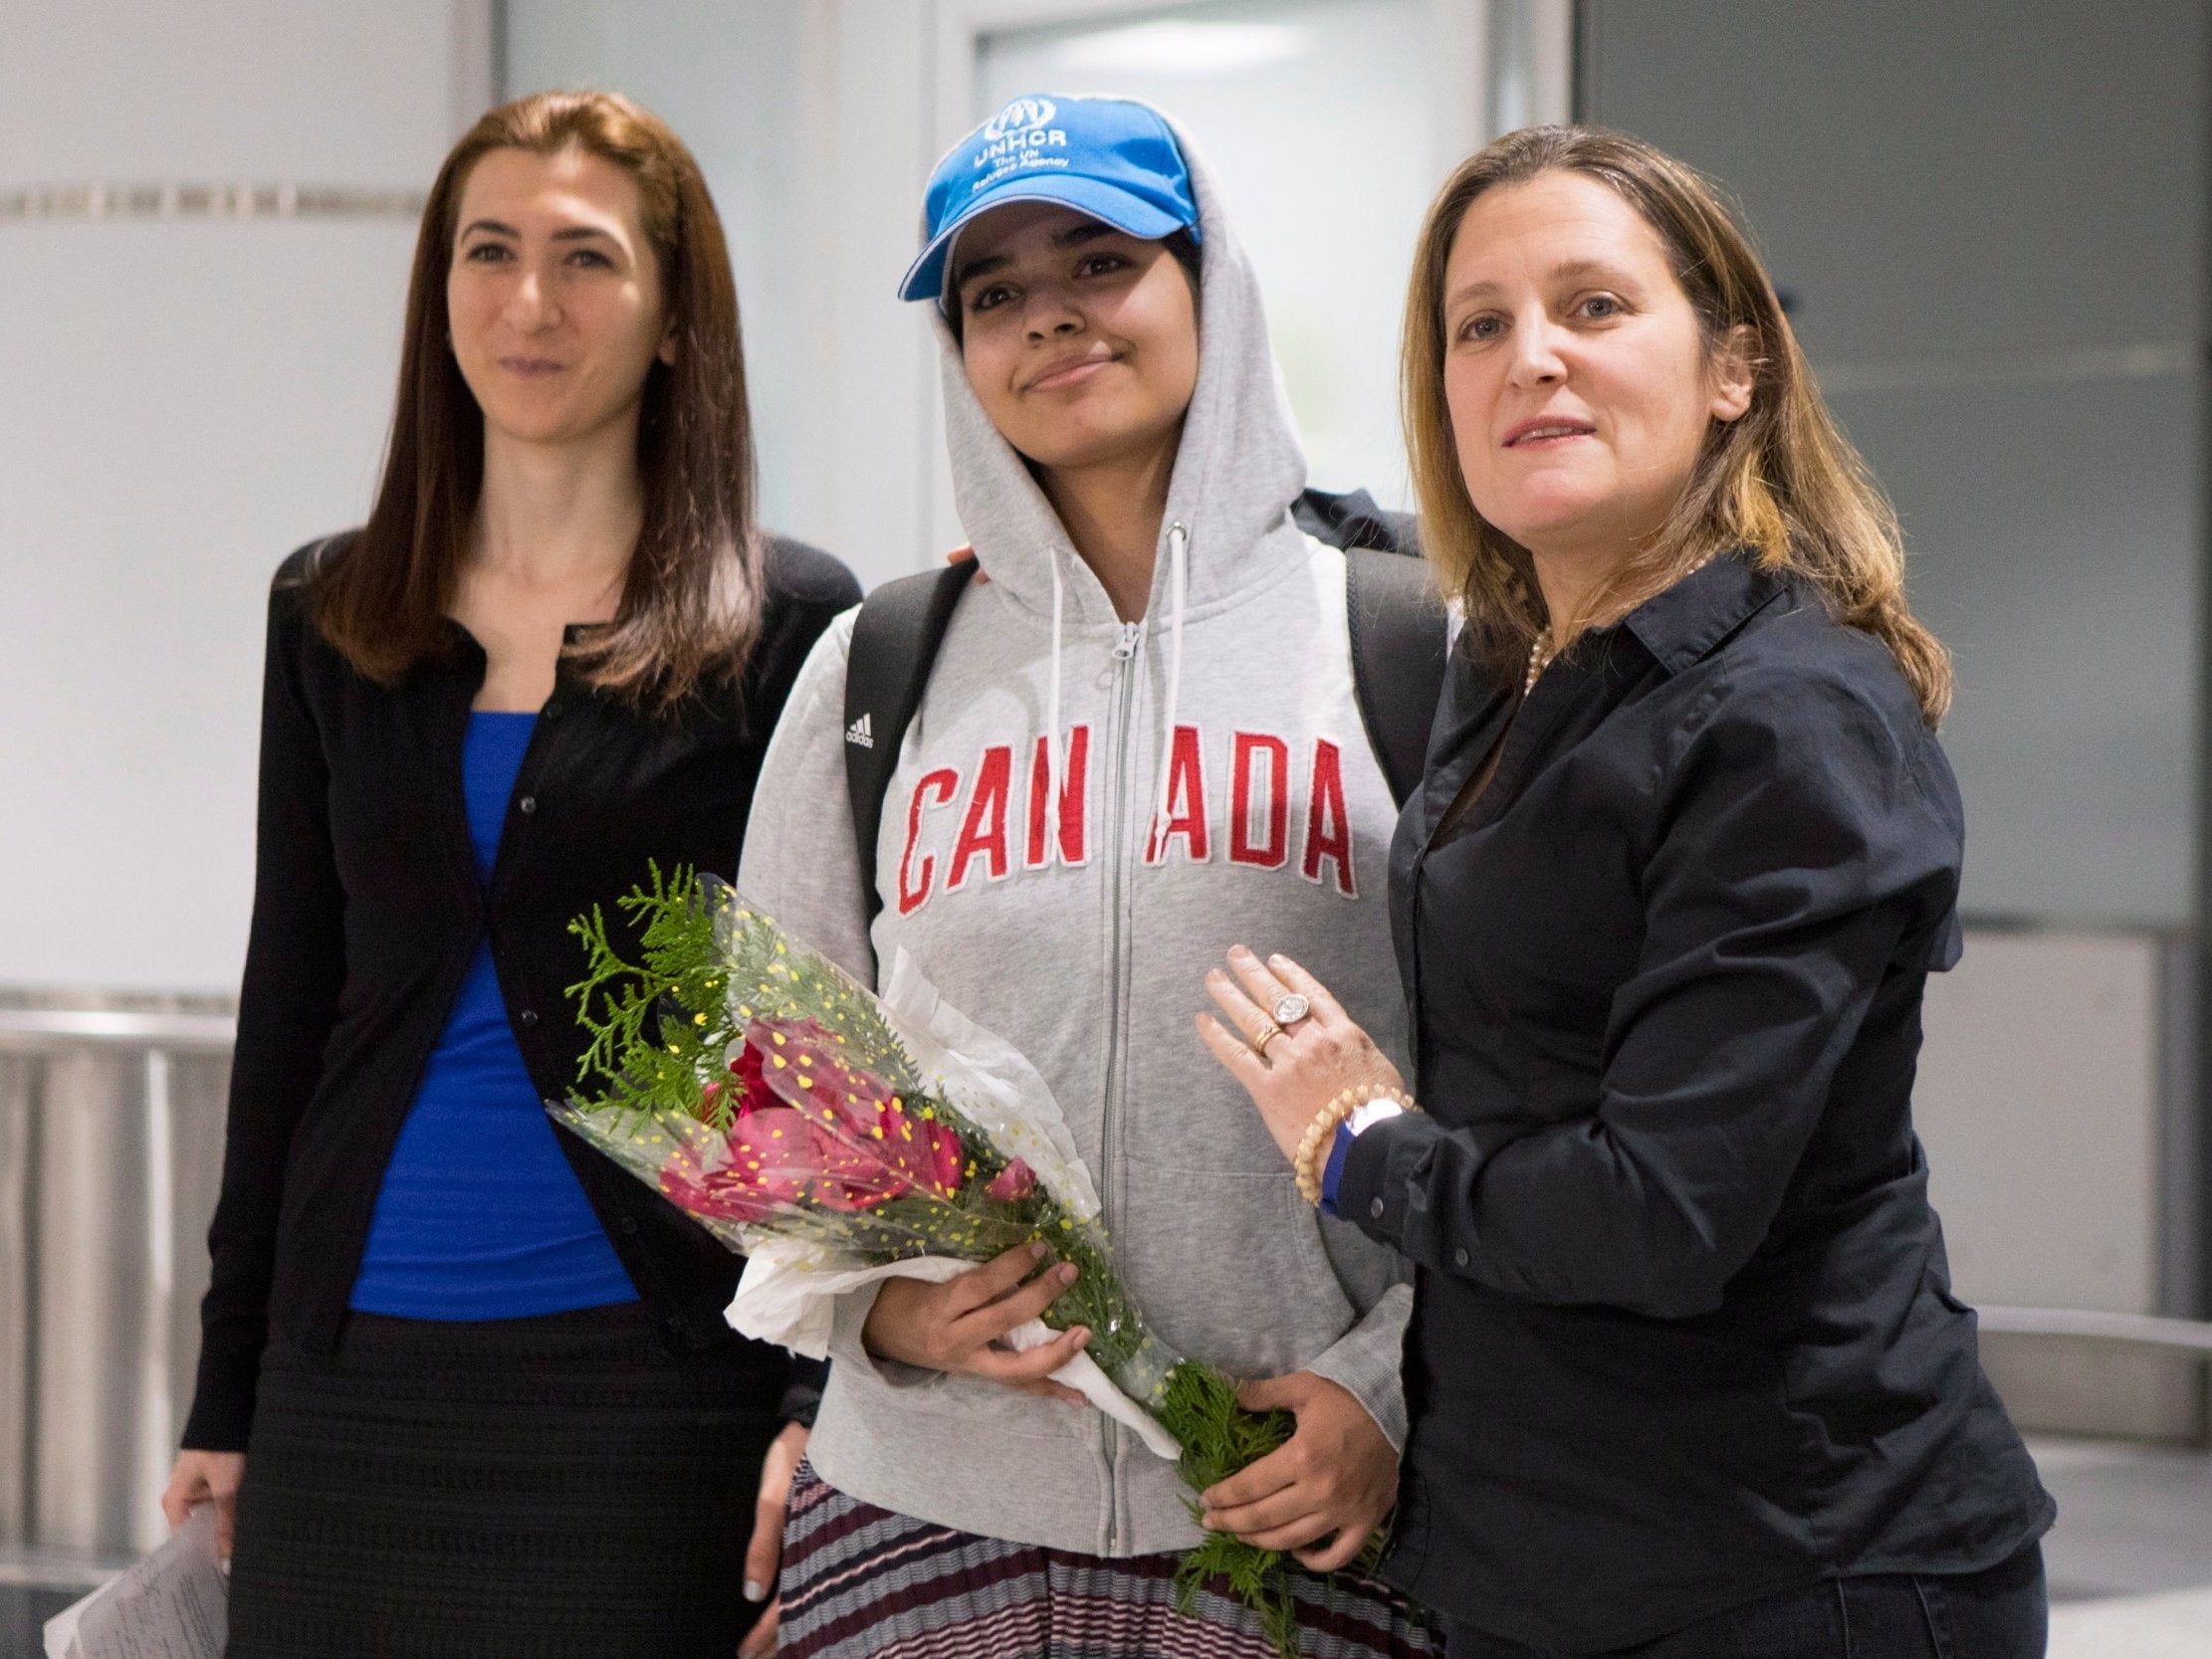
point(834, 1137)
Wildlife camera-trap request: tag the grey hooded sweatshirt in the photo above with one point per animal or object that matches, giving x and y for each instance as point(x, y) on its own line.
point(1081, 935)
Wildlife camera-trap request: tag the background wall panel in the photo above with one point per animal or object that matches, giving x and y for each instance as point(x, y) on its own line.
point(1990, 216)
point(181, 402)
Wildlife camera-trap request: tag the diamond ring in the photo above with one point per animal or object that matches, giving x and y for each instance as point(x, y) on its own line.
point(1290, 1008)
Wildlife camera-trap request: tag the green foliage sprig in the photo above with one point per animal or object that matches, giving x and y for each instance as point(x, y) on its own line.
point(661, 1024)
point(1220, 1437)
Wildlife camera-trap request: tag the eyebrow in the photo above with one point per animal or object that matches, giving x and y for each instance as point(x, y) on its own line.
point(1073, 236)
point(1570, 271)
point(571, 233)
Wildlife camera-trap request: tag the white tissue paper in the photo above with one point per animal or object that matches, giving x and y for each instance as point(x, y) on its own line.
point(173, 1604)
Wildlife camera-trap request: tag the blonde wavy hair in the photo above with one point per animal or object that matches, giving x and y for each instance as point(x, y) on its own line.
point(1781, 481)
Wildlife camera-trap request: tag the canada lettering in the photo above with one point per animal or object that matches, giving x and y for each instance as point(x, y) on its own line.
point(1251, 806)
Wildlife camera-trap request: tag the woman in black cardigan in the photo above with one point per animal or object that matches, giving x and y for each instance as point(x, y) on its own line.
point(1685, 1372)
point(468, 1384)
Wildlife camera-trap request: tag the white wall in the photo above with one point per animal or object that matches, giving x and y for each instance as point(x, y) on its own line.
point(2039, 1103)
point(180, 403)
point(812, 120)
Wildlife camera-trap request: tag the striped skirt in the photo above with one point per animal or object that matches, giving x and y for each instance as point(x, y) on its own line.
point(860, 1583)
point(560, 1487)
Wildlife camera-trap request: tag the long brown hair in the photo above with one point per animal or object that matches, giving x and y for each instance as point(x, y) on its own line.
point(1781, 480)
point(691, 600)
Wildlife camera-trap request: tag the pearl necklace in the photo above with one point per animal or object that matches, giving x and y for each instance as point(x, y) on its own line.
point(1541, 652)
point(1539, 659)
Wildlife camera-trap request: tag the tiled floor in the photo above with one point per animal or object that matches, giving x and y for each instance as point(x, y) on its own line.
point(2177, 1625)
point(2131, 1558)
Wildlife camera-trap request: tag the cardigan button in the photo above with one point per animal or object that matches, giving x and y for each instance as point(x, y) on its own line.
point(526, 805)
point(529, 1017)
point(1459, 1257)
point(1375, 1208)
point(629, 1227)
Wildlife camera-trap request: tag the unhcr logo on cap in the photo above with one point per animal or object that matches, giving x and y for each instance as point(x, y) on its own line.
point(1021, 115)
point(1015, 138)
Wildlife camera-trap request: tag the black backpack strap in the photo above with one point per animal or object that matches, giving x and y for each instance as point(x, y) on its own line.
point(1354, 521)
point(1400, 632)
point(1399, 644)
point(895, 640)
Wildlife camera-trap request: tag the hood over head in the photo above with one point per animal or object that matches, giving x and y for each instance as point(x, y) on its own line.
point(1237, 468)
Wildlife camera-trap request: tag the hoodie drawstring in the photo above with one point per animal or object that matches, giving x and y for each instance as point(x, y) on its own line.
point(1052, 761)
point(1179, 577)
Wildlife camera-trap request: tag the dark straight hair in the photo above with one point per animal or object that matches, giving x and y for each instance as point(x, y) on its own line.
point(691, 602)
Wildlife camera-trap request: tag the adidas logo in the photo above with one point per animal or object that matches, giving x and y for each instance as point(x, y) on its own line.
point(860, 735)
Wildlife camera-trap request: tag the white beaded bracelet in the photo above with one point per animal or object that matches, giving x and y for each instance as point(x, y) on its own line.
point(1312, 1157)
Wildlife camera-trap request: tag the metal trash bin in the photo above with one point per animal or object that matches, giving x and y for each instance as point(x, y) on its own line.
point(111, 1157)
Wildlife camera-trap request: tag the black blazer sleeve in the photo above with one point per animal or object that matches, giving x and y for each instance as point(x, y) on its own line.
point(1796, 855)
point(287, 1005)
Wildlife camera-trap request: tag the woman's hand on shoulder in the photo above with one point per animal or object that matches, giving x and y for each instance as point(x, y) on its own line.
point(1307, 1061)
point(205, 1478)
point(960, 1325)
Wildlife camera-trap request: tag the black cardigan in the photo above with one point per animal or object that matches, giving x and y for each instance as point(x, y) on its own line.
point(1682, 1330)
point(367, 909)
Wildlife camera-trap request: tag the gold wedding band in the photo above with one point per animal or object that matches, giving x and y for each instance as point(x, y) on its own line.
point(1268, 1032)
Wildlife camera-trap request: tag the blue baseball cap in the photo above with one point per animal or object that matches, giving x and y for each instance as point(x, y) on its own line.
point(1107, 157)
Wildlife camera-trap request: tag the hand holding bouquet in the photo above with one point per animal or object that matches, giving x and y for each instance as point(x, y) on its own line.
point(834, 1141)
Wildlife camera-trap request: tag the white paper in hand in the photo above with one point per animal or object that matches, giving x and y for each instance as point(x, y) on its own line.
point(787, 1297)
point(174, 1604)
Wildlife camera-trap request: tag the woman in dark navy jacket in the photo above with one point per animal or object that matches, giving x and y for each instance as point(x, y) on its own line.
point(1685, 1372)
point(467, 1383)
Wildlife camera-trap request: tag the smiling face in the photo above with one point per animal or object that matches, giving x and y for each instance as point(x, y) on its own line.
point(1080, 341)
point(553, 295)
point(1580, 384)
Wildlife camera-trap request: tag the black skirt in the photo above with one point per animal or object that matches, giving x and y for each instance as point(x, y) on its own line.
point(544, 1486)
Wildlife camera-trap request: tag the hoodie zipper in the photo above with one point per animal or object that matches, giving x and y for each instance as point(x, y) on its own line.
point(1119, 879)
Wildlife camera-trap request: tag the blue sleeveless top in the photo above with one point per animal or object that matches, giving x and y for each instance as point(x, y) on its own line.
point(480, 1216)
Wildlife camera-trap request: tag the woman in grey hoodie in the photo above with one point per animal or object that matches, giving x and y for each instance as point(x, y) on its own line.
point(1140, 737)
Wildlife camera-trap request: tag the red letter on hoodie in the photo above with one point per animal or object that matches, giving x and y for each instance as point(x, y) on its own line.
point(1328, 825)
point(1273, 850)
point(1075, 768)
point(1186, 802)
point(944, 784)
point(983, 834)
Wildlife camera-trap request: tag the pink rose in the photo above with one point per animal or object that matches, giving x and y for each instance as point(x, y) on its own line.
point(752, 1090)
point(1015, 1181)
point(765, 1163)
point(948, 1159)
point(905, 1148)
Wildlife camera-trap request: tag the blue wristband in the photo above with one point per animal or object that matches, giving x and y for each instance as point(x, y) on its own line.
point(1332, 1173)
